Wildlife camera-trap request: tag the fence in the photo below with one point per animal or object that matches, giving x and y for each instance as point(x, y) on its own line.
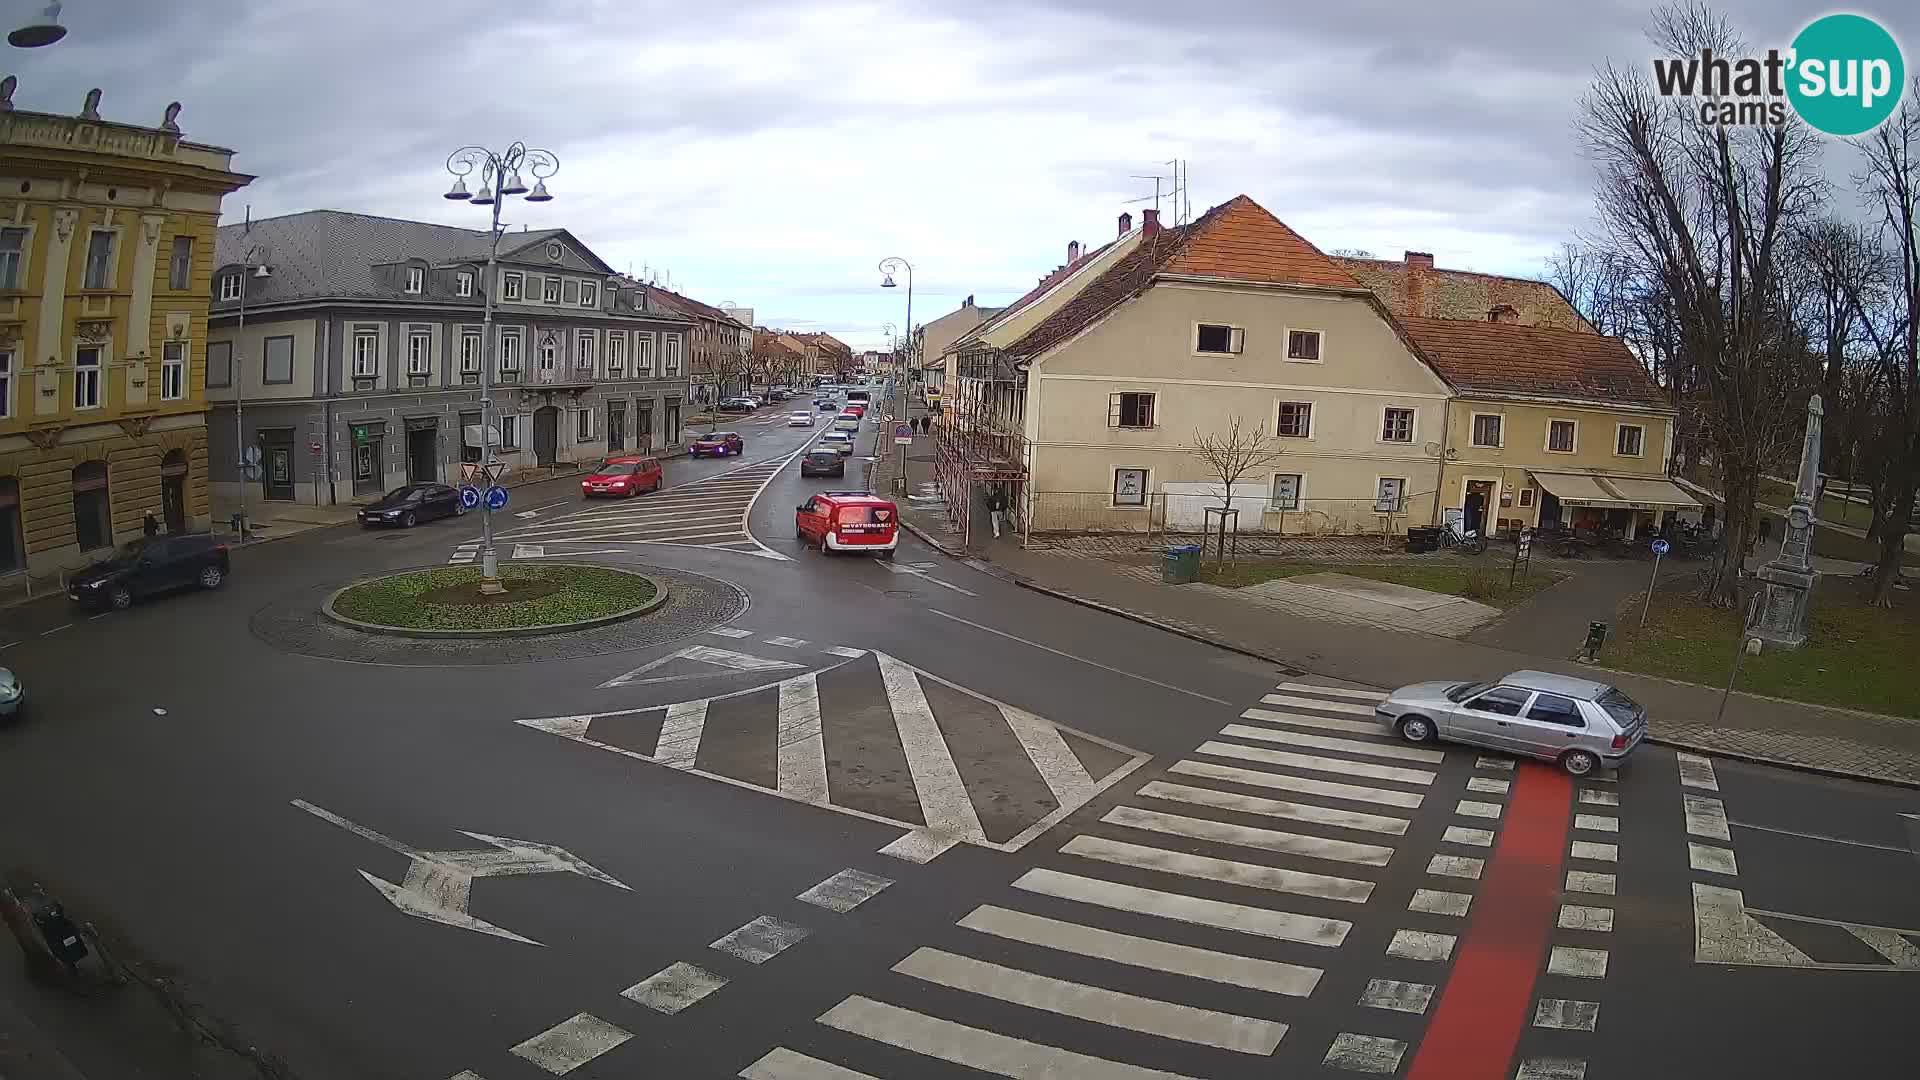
point(1162, 512)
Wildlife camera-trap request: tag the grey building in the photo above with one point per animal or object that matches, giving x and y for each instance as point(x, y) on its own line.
point(358, 368)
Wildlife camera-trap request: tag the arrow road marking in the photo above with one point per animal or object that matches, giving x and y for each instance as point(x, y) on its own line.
point(438, 884)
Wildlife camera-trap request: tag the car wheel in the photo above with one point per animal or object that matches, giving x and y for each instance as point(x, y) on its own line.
point(120, 599)
point(459, 509)
point(887, 555)
point(1579, 762)
point(1416, 729)
point(409, 520)
point(211, 577)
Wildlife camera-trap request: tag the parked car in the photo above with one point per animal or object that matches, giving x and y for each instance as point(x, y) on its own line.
point(848, 521)
point(717, 444)
point(823, 461)
point(149, 566)
point(737, 405)
point(1578, 724)
point(13, 696)
point(624, 476)
point(800, 419)
point(410, 505)
point(840, 441)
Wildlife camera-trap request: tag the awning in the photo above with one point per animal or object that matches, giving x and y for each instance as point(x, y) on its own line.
point(1618, 492)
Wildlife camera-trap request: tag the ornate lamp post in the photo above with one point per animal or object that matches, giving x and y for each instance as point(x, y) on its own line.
point(890, 266)
point(44, 30)
point(250, 267)
point(499, 175)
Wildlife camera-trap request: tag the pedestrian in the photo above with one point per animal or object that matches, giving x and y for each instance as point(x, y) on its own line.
point(997, 509)
point(151, 526)
point(1766, 528)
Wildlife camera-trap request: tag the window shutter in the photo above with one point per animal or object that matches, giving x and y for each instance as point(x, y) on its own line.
point(1236, 340)
point(1146, 410)
point(1113, 410)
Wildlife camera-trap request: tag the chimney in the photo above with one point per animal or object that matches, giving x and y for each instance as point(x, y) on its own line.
point(1073, 252)
point(1126, 224)
point(969, 302)
point(1419, 265)
point(1149, 222)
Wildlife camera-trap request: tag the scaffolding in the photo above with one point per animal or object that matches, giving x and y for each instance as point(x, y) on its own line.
point(980, 435)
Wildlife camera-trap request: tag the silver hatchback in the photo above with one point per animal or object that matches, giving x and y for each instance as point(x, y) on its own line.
point(1577, 723)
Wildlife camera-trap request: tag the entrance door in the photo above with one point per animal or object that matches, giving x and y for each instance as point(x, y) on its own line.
point(369, 471)
point(423, 452)
point(173, 490)
point(546, 435)
point(13, 544)
point(1479, 492)
point(276, 459)
point(643, 427)
point(616, 426)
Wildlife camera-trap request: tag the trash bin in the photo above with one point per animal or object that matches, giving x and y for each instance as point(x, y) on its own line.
point(1422, 539)
point(1180, 564)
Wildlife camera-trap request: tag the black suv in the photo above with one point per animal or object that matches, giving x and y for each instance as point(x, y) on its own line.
point(150, 565)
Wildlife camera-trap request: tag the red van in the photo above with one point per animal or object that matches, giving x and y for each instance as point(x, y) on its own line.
point(848, 521)
point(624, 476)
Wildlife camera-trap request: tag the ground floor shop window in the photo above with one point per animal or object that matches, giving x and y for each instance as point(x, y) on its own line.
point(92, 506)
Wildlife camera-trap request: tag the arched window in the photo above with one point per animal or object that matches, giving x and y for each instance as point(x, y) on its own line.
point(92, 508)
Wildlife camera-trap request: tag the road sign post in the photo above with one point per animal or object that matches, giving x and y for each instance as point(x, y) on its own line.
point(1659, 550)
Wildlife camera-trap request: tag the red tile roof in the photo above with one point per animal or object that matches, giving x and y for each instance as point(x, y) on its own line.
point(1463, 294)
point(1535, 361)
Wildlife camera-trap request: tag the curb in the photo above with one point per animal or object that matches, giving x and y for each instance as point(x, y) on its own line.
point(660, 596)
point(940, 546)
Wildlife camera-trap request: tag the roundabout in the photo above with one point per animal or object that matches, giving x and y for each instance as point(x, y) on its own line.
point(540, 598)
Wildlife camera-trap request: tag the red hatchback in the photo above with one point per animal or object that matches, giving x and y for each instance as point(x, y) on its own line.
point(625, 476)
point(856, 409)
point(717, 444)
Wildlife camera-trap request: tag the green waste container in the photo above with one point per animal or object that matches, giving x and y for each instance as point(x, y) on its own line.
point(1180, 564)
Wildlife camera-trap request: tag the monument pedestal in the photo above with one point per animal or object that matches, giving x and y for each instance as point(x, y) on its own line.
point(1782, 622)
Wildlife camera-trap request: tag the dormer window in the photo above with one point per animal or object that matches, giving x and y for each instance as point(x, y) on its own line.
point(463, 283)
point(589, 294)
point(416, 280)
point(230, 286)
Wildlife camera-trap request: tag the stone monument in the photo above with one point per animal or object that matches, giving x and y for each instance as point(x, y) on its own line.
point(1789, 579)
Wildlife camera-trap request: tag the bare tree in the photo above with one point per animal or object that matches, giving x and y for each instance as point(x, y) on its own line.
point(1704, 212)
point(1600, 284)
point(1231, 455)
point(724, 364)
point(1842, 273)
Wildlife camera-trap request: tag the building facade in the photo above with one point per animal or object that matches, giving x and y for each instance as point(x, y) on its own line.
point(106, 240)
point(354, 366)
point(721, 345)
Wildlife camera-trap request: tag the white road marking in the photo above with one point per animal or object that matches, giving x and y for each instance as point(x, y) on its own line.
point(102, 615)
point(1090, 663)
point(1459, 866)
point(1600, 823)
point(1364, 1053)
point(572, 1043)
point(1272, 976)
point(568, 727)
point(1578, 963)
point(842, 650)
point(1337, 691)
point(1179, 907)
point(1337, 766)
point(1587, 849)
point(944, 802)
point(674, 987)
point(1315, 703)
point(529, 551)
point(1458, 834)
point(801, 771)
point(1326, 742)
point(524, 514)
point(9, 645)
point(1406, 997)
point(1494, 763)
point(787, 642)
point(1551, 1069)
point(1420, 945)
point(1559, 1014)
point(1590, 797)
point(1440, 902)
point(1821, 837)
point(1275, 808)
point(919, 846)
point(845, 890)
point(1065, 777)
point(1323, 723)
point(987, 1051)
point(700, 654)
point(679, 741)
point(1474, 809)
point(55, 630)
point(1285, 843)
point(1895, 945)
point(1092, 1003)
point(1697, 772)
point(781, 1063)
point(761, 939)
point(1302, 785)
point(1713, 860)
point(1580, 917)
point(730, 632)
point(1206, 868)
point(1484, 786)
point(1724, 934)
point(1583, 881)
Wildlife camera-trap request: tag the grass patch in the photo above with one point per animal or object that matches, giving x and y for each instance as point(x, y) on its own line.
point(448, 598)
point(1481, 580)
point(1856, 656)
point(1828, 542)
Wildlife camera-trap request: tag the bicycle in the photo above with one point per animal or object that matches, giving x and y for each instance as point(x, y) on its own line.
point(1469, 541)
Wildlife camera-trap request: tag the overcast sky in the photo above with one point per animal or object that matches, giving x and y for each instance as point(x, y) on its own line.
point(771, 153)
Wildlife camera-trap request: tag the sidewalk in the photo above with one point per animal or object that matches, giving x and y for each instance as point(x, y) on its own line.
point(272, 520)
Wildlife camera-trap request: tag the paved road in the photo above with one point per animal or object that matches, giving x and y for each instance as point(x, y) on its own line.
point(910, 821)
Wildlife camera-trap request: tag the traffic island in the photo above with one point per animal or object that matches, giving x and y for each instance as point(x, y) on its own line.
point(543, 598)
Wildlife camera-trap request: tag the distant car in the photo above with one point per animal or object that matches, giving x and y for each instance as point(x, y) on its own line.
point(800, 419)
point(410, 505)
point(737, 405)
point(150, 566)
point(840, 441)
point(856, 409)
point(624, 476)
point(1578, 724)
point(13, 696)
point(826, 404)
point(717, 444)
point(823, 461)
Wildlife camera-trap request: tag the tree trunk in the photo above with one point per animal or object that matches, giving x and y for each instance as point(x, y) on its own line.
point(1893, 546)
point(1738, 486)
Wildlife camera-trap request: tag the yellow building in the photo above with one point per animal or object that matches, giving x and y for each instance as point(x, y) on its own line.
point(106, 251)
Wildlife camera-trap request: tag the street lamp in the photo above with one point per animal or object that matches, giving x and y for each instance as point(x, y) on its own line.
point(500, 177)
point(44, 30)
point(250, 267)
point(890, 266)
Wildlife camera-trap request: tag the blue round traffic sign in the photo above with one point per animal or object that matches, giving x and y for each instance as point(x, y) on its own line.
point(496, 498)
point(469, 497)
point(1659, 547)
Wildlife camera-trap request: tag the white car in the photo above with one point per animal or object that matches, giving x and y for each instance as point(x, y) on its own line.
point(839, 440)
point(800, 419)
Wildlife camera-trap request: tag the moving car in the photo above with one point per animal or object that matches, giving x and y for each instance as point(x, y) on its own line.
point(840, 441)
point(823, 461)
point(149, 566)
point(1578, 724)
point(737, 405)
point(410, 505)
point(825, 404)
point(13, 696)
point(717, 444)
point(800, 419)
point(848, 424)
point(856, 411)
point(624, 476)
point(857, 397)
point(848, 521)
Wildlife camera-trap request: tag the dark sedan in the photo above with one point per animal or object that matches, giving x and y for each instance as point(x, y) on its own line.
point(150, 565)
point(823, 462)
point(409, 506)
point(717, 444)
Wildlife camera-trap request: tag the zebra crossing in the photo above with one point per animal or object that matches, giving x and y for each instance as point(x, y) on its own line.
point(870, 736)
point(1184, 932)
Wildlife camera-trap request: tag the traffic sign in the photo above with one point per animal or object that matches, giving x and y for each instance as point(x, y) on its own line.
point(469, 497)
point(1660, 547)
point(314, 445)
point(903, 434)
point(251, 470)
point(496, 498)
point(251, 455)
